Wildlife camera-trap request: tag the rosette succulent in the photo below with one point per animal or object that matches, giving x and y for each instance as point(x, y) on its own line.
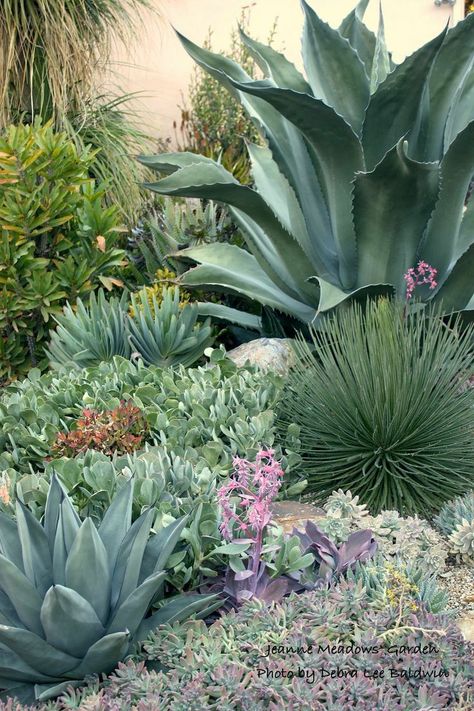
point(365, 173)
point(462, 541)
point(73, 597)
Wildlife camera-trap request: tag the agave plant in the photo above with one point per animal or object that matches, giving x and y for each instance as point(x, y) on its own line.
point(74, 597)
point(161, 334)
point(167, 334)
point(380, 407)
point(90, 334)
point(366, 171)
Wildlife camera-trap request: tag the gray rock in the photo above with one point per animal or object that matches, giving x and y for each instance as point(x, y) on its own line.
point(269, 354)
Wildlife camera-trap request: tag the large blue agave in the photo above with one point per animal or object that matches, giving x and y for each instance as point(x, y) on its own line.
point(365, 172)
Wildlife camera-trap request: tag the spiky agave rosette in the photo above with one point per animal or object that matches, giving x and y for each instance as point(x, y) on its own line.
point(73, 597)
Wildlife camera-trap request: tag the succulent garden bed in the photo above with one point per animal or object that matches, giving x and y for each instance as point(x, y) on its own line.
point(289, 525)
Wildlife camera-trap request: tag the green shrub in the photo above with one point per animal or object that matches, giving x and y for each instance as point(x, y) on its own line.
point(218, 667)
point(57, 239)
point(380, 409)
point(75, 597)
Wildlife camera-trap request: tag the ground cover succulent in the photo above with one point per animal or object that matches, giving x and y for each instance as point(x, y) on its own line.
point(75, 597)
point(354, 127)
point(243, 660)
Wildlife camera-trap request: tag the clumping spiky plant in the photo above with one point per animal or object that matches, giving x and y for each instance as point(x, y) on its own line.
point(379, 407)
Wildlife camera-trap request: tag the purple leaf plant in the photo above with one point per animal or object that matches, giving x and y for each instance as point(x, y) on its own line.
point(245, 504)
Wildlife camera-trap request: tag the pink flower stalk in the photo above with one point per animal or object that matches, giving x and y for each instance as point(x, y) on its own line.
point(255, 485)
point(423, 273)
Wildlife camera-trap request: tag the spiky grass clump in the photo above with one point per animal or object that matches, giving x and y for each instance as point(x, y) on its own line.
point(380, 408)
point(50, 50)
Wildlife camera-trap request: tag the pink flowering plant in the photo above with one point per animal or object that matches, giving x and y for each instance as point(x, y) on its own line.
point(245, 505)
point(423, 273)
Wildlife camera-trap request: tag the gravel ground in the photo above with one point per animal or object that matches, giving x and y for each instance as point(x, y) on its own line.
point(458, 581)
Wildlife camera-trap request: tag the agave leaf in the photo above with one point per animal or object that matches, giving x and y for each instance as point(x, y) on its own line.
point(453, 63)
point(10, 545)
point(160, 546)
point(226, 313)
point(360, 37)
point(339, 157)
point(36, 652)
point(461, 112)
point(116, 523)
point(456, 174)
point(275, 189)
point(334, 70)
point(15, 668)
point(43, 692)
point(22, 594)
point(8, 615)
point(129, 559)
point(56, 501)
point(69, 621)
point(214, 182)
point(466, 231)
point(388, 239)
point(396, 102)
point(179, 608)
point(234, 268)
point(294, 158)
point(89, 553)
point(276, 66)
point(131, 612)
point(458, 284)
point(103, 656)
point(37, 562)
point(331, 296)
point(381, 62)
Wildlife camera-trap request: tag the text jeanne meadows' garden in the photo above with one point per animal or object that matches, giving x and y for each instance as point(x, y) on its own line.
point(237, 385)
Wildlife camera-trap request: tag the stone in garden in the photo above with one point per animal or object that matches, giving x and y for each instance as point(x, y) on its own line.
point(293, 514)
point(466, 625)
point(273, 354)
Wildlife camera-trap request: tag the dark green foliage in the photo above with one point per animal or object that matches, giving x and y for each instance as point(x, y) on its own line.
point(380, 408)
point(58, 241)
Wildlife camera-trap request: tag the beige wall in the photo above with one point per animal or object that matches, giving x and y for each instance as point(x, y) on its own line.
point(163, 68)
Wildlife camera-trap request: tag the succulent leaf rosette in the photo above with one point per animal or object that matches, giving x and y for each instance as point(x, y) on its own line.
point(365, 173)
point(74, 598)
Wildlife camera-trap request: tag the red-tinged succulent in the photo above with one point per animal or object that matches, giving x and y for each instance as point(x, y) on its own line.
point(118, 431)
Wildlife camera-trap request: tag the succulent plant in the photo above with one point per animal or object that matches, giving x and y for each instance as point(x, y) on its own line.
point(166, 334)
point(90, 334)
point(342, 504)
point(402, 441)
point(337, 529)
point(454, 512)
point(355, 127)
point(332, 560)
point(461, 541)
point(74, 598)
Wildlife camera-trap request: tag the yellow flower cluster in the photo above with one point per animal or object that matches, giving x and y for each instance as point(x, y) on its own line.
point(164, 277)
point(400, 587)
